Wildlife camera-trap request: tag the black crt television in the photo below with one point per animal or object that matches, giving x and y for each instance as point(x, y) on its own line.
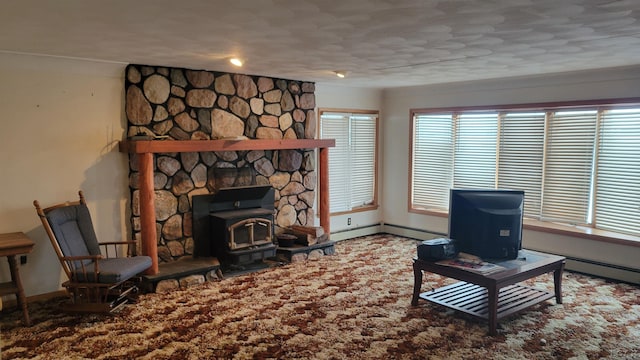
point(486, 223)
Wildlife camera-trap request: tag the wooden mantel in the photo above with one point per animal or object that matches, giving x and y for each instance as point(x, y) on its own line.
point(145, 149)
point(167, 146)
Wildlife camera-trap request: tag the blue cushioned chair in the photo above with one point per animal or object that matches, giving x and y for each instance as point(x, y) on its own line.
point(99, 278)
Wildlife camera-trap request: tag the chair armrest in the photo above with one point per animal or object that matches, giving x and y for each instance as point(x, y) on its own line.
point(79, 267)
point(130, 242)
point(114, 246)
point(82, 257)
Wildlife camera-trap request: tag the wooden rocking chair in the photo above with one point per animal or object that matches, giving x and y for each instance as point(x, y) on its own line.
point(96, 283)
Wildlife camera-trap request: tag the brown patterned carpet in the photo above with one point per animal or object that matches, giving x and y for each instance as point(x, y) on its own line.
point(353, 305)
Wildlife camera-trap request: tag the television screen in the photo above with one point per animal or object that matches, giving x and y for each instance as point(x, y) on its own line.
point(486, 223)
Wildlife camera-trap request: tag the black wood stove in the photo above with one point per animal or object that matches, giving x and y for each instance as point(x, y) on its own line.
point(235, 225)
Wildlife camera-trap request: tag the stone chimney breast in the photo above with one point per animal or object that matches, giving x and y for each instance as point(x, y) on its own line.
point(186, 104)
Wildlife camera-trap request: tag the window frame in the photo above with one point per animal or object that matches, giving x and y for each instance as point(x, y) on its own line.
point(589, 231)
point(375, 204)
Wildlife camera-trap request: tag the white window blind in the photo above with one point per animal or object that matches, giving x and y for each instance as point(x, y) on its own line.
point(521, 156)
point(432, 161)
point(618, 176)
point(336, 126)
point(352, 161)
point(569, 166)
point(475, 151)
point(363, 155)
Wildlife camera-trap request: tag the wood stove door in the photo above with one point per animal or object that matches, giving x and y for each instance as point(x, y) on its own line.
point(250, 232)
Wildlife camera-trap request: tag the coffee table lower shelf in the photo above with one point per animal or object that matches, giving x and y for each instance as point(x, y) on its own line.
point(472, 299)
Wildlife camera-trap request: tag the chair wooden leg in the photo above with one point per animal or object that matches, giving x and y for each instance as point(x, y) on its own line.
point(99, 299)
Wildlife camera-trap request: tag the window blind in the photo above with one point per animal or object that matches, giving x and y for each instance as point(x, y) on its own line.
point(617, 205)
point(352, 162)
point(336, 126)
point(569, 166)
point(521, 155)
point(363, 156)
point(432, 161)
point(475, 151)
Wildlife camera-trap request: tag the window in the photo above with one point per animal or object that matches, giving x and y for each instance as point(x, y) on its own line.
point(352, 162)
point(577, 164)
point(617, 190)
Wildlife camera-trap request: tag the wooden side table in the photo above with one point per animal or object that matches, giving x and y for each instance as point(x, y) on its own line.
point(11, 245)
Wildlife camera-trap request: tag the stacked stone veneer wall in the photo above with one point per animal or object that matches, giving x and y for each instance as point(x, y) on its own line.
point(188, 104)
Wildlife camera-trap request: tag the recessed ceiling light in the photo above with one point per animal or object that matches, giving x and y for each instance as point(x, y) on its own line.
point(235, 61)
point(340, 73)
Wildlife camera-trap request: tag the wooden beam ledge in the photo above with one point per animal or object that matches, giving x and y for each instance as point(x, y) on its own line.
point(169, 146)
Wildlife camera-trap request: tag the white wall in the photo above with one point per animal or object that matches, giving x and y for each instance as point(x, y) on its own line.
point(336, 97)
point(614, 83)
point(61, 121)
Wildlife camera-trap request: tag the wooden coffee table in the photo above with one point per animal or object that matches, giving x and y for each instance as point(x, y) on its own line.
point(492, 296)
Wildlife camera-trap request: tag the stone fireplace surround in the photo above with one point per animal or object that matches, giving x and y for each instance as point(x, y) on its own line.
point(191, 105)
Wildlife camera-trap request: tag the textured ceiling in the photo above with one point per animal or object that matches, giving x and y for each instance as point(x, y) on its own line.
point(380, 43)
